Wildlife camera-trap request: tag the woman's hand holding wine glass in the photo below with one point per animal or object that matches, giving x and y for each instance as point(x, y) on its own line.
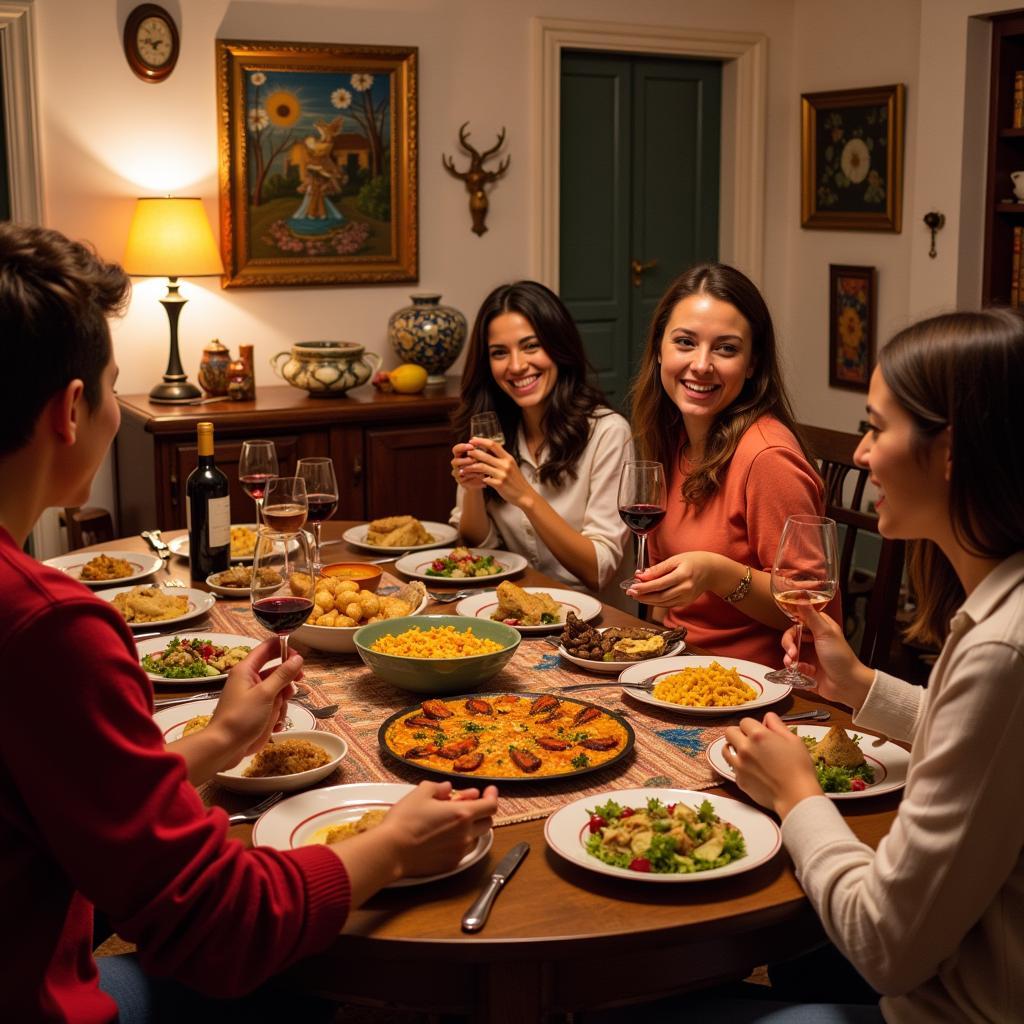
point(642, 505)
point(257, 464)
point(321, 497)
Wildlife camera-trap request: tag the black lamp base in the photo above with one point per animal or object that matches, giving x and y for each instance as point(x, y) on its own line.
point(175, 392)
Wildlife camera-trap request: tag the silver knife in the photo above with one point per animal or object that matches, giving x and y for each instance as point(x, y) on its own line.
point(475, 918)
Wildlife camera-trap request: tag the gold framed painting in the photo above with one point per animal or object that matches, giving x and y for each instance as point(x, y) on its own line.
point(852, 159)
point(851, 332)
point(317, 163)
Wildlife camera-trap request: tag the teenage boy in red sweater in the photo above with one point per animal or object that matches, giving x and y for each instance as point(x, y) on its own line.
point(94, 809)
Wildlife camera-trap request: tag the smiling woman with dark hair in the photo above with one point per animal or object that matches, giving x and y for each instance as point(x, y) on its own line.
point(550, 490)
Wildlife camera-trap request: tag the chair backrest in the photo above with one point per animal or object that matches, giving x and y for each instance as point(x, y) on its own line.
point(87, 526)
point(833, 451)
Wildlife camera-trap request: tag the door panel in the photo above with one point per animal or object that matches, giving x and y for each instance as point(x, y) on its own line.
point(410, 469)
point(639, 180)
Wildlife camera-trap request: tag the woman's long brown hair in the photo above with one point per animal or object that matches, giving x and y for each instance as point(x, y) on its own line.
point(964, 371)
point(658, 423)
point(573, 400)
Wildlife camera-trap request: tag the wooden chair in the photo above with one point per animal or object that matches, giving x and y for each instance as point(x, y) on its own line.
point(87, 526)
point(845, 483)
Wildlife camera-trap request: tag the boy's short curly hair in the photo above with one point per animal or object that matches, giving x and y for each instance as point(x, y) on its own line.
point(55, 297)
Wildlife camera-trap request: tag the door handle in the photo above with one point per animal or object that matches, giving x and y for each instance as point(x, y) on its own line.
point(639, 269)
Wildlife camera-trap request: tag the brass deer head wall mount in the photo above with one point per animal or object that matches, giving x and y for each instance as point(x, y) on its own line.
point(476, 177)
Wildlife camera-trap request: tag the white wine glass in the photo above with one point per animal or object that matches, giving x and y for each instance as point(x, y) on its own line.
point(281, 593)
point(643, 502)
point(487, 425)
point(321, 498)
point(285, 505)
point(804, 575)
point(256, 465)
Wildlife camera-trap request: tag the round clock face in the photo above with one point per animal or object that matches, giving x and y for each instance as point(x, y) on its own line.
point(153, 42)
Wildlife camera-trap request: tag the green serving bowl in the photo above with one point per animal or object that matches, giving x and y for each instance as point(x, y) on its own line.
point(437, 675)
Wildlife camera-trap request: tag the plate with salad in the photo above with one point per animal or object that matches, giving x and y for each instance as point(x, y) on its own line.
point(848, 763)
point(195, 659)
point(460, 564)
point(662, 836)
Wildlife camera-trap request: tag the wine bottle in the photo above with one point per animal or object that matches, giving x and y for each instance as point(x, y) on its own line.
point(209, 511)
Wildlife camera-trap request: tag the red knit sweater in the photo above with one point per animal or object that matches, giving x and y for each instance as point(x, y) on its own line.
point(93, 811)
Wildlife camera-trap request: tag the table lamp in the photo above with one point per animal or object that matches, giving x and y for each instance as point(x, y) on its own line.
point(172, 238)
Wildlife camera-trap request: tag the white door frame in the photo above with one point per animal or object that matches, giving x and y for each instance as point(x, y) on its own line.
point(745, 56)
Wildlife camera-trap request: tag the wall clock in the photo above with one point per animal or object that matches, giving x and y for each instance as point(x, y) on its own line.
point(151, 42)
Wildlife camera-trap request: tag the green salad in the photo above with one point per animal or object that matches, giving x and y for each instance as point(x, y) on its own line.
point(836, 777)
point(193, 659)
point(663, 838)
point(461, 563)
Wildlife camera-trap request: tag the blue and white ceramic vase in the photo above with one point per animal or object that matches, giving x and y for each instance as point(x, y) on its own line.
point(428, 334)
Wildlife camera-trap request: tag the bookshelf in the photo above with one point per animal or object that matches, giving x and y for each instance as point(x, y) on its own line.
point(1003, 214)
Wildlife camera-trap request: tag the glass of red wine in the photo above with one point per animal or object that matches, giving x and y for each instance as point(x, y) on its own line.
point(804, 575)
point(282, 583)
point(285, 505)
point(321, 497)
point(642, 505)
point(258, 463)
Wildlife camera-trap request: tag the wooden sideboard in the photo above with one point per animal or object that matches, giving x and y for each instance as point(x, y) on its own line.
point(391, 452)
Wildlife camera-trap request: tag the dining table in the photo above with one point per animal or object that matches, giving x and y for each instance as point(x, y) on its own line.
point(560, 939)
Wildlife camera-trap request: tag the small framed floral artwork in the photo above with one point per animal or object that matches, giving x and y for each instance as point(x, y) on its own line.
point(317, 162)
point(852, 159)
point(851, 314)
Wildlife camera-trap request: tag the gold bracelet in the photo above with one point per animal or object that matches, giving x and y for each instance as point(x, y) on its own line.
point(742, 588)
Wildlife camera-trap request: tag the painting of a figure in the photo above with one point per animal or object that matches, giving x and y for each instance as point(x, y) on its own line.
point(318, 184)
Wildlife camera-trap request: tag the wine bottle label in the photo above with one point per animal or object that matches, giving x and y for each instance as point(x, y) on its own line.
point(218, 518)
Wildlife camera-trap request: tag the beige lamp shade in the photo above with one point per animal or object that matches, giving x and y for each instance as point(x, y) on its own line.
point(171, 237)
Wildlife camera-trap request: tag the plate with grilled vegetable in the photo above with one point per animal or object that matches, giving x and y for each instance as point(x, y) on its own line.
point(614, 648)
point(506, 737)
point(848, 763)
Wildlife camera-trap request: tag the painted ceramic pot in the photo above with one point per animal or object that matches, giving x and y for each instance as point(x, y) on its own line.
point(326, 369)
point(213, 368)
point(428, 334)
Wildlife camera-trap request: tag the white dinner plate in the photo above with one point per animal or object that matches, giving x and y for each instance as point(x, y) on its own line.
point(290, 824)
point(615, 667)
point(484, 604)
point(890, 762)
point(236, 780)
point(179, 545)
point(172, 720)
point(416, 565)
point(141, 565)
point(442, 533)
point(199, 603)
point(750, 672)
point(566, 832)
point(155, 644)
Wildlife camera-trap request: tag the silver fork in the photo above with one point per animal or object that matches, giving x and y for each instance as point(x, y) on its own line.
point(254, 812)
point(172, 582)
point(447, 598)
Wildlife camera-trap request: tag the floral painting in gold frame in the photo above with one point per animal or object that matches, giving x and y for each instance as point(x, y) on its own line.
point(852, 159)
point(851, 314)
point(317, 163)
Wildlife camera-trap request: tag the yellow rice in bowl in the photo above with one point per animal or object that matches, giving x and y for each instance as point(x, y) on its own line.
point(436, 642)
point(713, 686)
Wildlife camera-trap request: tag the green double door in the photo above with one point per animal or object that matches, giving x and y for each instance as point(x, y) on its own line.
point(638, 194)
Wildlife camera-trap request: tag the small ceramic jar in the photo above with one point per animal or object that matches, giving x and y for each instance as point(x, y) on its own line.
point(213, 368)
point(326, 369)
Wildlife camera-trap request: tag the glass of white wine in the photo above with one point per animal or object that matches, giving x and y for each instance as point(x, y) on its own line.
point(487, 424)
point(805, 574)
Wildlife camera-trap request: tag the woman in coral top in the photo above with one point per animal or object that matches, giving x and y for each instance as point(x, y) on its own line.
point(710, 405)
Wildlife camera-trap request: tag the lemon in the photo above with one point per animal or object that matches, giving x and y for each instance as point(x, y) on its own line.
point(408, 378)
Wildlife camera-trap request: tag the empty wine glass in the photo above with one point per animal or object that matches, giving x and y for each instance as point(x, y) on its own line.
point(257, 464)
point(804, 574)
point(321, 497)
point(285, 505)
point(642, 505)
point(281, 592)
point(486, 424)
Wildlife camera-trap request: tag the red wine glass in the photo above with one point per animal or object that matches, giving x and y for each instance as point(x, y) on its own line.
point(642, 506)
point(321, 497)
point(281, 592)
point(285, 505)
point(257, 464)
point(804, 575)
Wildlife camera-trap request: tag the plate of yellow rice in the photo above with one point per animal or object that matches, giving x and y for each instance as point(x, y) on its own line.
point(703, 685)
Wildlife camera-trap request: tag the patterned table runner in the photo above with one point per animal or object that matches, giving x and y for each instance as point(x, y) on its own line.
point(669, 748)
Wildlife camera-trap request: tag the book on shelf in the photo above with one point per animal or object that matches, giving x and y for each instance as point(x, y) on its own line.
point(1018, 100)
point(1015, 289)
